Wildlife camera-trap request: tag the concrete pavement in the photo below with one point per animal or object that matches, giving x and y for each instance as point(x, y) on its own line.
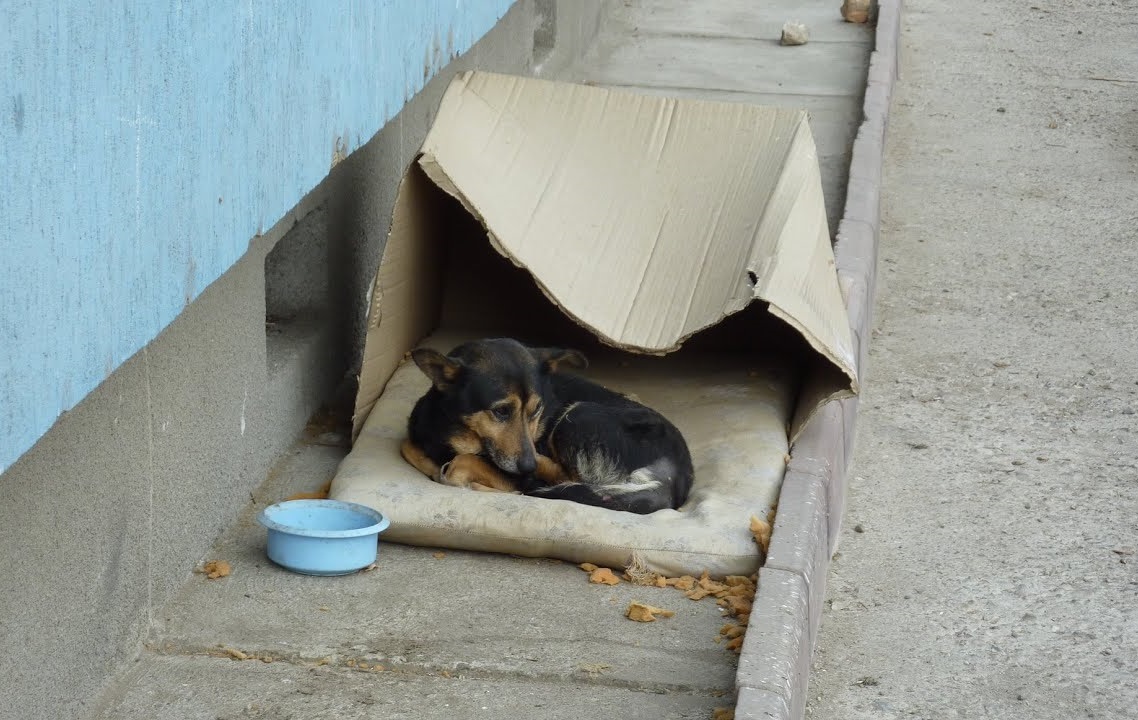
point(461, 634)
point(985, 567)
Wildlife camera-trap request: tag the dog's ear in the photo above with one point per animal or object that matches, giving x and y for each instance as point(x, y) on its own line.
point(555, 359)
point(441, 369)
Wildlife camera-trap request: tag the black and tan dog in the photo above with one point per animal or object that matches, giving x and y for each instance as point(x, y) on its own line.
point(504, 417)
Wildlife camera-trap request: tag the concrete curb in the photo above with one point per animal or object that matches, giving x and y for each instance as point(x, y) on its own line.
point(774, 665)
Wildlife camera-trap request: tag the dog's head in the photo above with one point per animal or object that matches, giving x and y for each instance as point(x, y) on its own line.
point(497, 390)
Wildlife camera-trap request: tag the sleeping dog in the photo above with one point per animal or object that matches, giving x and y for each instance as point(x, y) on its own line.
point(504, 417)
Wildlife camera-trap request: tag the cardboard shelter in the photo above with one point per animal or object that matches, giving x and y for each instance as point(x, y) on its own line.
point(681, 244)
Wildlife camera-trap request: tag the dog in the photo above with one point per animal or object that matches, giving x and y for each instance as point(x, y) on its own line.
point(501, 416)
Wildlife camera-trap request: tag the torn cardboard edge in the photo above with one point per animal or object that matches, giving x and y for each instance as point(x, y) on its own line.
point(644, 219)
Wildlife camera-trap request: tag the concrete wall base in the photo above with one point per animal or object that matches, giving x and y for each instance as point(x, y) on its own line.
point(107, 515)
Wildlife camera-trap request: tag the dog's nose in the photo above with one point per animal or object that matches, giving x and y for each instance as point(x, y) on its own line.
point(526, 465)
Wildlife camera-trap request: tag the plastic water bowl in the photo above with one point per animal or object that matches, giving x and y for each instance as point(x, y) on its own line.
point(322, 537)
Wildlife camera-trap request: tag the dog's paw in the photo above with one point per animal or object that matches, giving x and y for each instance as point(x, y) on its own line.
point(454, 474)
point(461, 472)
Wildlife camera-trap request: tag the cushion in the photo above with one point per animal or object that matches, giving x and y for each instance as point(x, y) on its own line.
point(733, 409)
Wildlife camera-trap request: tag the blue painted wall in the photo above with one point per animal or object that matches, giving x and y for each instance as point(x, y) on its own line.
point(142, 145)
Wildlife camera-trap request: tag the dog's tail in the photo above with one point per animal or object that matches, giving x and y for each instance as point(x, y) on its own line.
point(644, 491)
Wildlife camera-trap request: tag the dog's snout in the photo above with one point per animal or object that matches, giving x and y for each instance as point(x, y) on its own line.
point(527, 464)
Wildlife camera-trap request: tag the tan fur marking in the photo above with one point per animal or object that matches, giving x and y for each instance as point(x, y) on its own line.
point(508, 437)
point(465, 443)
point(471, 471)
point(418, 460)
point(550, 472)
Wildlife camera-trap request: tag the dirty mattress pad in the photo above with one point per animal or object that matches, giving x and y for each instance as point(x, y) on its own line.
point(733, 410)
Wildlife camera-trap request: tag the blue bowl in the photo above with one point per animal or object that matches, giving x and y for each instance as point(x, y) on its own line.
point(322, 537)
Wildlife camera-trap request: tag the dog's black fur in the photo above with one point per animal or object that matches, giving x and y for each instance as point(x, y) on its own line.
point(503, 416)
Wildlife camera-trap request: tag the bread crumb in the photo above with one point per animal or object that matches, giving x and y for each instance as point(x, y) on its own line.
point(761, 529)
point(697, 594)
point(603, 576)
point(235, 653)
point(710, 585)
point(438, 555)
point(216, 569)
point(587, 567)
point(684, 582)
point(733, 631)
point(645, 613)
point(855, 11)
point(736, 605)
point(735, 644)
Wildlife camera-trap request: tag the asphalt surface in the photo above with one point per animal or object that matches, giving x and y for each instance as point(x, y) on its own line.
point(987, 566)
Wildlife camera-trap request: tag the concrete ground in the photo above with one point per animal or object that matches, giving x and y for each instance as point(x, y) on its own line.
point(441, 635)
point(987, 564)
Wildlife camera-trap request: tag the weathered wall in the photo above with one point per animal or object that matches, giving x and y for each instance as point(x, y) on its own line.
point(145, 143)
point(104, 518)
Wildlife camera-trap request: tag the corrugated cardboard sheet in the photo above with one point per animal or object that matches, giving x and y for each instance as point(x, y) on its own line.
point(645, 219)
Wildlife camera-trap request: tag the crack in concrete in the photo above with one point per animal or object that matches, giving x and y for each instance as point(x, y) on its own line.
point(455, 671)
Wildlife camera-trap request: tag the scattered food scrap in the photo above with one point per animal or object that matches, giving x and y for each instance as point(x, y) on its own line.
point(603, 576)
point(438, 555)
point(235, 653)
point(594, 668)
point(216, 569)
point(683, 582)
point(856, 11)
point(645, 613)
point(761, 529)
point(732, 631)
point(587, 567)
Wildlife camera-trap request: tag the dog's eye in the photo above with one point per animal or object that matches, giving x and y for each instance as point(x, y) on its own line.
point(502, 412)
point(535, 412)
